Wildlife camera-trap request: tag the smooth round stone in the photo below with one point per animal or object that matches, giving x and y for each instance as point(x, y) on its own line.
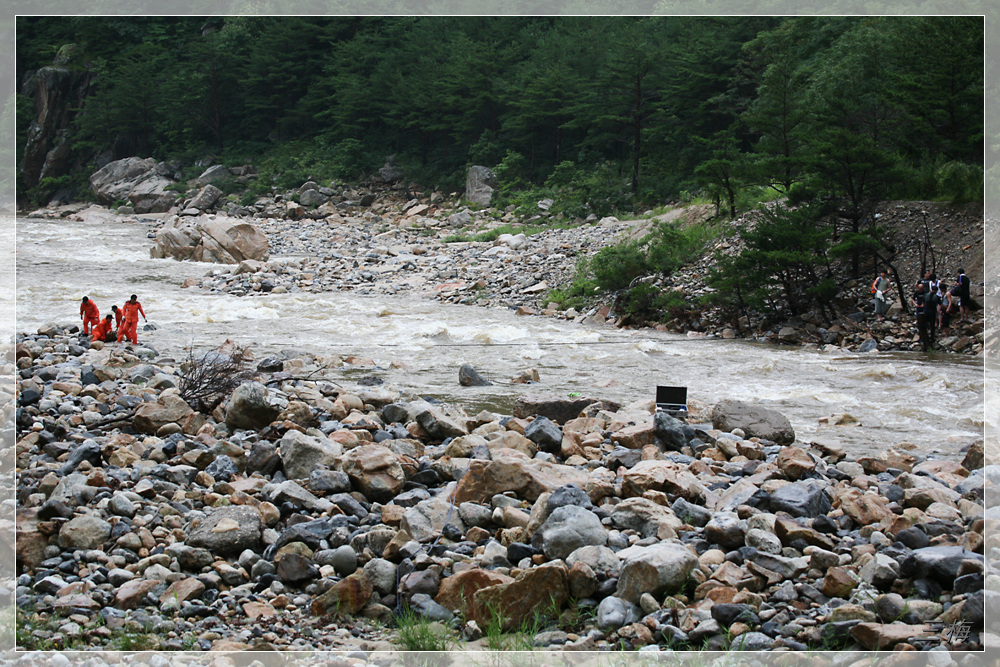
point(344, 560)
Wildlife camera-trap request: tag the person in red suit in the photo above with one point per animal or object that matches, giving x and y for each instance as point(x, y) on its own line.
point(132, 310)
point(89, 314)
point(101, 331)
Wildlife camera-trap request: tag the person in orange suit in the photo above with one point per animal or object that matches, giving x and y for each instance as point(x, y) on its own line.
point(119, 316)
point(132, 310)
point(89, 314)
point(101, 331)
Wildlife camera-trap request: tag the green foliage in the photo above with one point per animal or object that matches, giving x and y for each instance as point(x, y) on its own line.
point(649, 303)
point(416, 633)
point(959, 182)
point(783, 266)
point(500, 638)
point(663, 251)
point(579, 292)
point(601, 114)
point(348, 159)
point(615, 267)
point(511, 173)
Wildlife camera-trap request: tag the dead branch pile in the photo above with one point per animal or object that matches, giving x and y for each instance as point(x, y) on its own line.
point(208, 380)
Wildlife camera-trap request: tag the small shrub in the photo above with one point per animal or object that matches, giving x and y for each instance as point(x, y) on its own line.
point(208, 380)
point(648, 303)
point(615, 267)
point(418, 634)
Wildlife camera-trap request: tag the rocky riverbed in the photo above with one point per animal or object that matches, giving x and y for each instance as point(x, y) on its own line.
point(306, 513)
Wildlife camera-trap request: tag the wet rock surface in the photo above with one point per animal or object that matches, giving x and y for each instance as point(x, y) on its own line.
point(275, 533)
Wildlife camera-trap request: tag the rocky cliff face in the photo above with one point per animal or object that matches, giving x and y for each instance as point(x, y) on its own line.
point(58, 92)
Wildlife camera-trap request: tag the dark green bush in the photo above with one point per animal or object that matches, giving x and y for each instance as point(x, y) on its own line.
point(615, 267)
point(959, 182)
point(649, 303)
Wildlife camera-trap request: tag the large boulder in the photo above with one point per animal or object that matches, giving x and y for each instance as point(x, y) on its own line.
point(300, 453)
point(84, 532)
point(510, 604)
point(659, 569)
point(480, 184)
point(666, 476)
point(754, 420)
point(647, 518)
point(227, 531)
point(217, 239)
point(528, 478)
point(567, 529)
point(205, 198)
point(375, 471)
point(426, 520)
point(142, 181)
point(803, 499)
point(213, 174)
point(556, 408)
point(390, 171)
point(251, 407)
point(434, 421)
point(153, 415)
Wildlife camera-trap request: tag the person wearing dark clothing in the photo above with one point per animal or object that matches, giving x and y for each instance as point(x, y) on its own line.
point(919, 308)
point(931, 302)
point(944, 307)
point(964, 297)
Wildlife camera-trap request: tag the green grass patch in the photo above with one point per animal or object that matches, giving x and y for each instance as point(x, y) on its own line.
point(416, 633)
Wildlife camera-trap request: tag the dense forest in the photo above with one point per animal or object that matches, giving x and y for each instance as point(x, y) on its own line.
point(619, 112)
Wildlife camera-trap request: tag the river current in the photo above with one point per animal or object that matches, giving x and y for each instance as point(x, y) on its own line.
point(934, 401)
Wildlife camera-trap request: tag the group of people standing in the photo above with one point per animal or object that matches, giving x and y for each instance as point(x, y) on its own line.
point(126, 321)
point(935, 303)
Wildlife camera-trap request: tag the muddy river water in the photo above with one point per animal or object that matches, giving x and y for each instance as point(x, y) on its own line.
point(934, 401)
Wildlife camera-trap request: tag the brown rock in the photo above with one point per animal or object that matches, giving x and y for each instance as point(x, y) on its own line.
point(29, 543)
point(838, 583)
point(375, 471)
point(528, 478)
point(183, 589)
point(76, 602)
point(665, 476)
point(131, 593)
point(718, 593)
point(533, 590)
point(864, 508)
point(634, 437)
point(169, 409)
point(788, 530)
point(558, 409)
point(346, 597)
point(922, 498)
point(458, 590)
point(582, 581)
point(255, 610)
point(794, 462)
point(872, 466)
point(876, 636)
point(974, 457)
point(729, 573)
